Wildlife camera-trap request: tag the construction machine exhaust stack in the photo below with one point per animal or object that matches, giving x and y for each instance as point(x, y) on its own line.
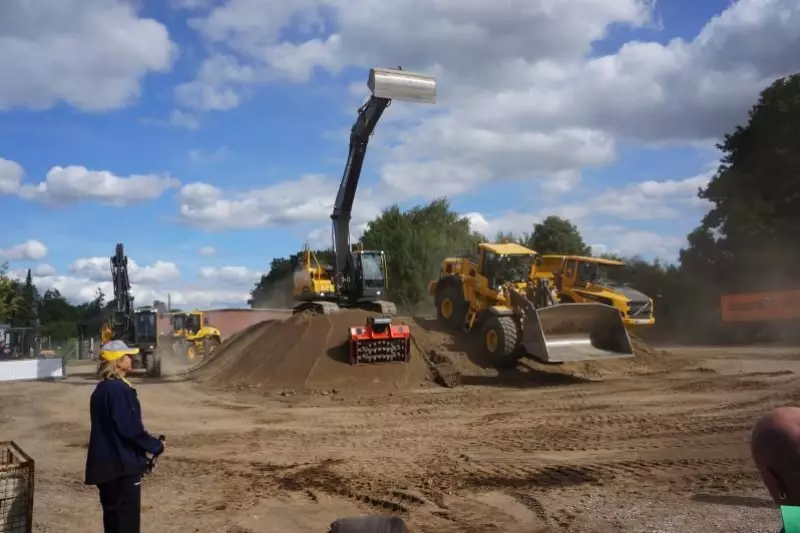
point(380, 341)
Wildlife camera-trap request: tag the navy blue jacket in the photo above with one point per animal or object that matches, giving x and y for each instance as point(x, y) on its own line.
point(118, 440)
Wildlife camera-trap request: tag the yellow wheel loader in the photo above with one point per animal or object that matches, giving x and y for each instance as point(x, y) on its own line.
point(313, 280)
point(580, 279)
point(199, 337)
point(516, 313)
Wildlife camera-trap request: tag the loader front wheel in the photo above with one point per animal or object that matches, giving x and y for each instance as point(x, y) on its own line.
point(152, 365)
point(500, 341)
point(451, 309)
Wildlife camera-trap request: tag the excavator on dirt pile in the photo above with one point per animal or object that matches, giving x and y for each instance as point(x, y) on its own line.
point(580, 279)
point(136, 326)
point(518, 313)
point(358, 278)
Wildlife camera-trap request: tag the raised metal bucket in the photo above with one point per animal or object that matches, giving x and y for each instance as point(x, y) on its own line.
point(575, 332)
point(402, 85)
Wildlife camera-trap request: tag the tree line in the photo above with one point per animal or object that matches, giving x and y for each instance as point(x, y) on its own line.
point(749, 241)
point(23, 305)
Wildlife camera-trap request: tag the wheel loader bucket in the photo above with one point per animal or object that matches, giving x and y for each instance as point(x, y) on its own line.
point(401, 85)
point(575, 332)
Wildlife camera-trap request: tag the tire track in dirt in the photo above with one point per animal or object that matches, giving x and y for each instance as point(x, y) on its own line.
point(634, 477)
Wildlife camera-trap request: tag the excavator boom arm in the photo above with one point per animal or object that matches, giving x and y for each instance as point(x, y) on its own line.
point(123, 308)
point(368, 116)
point(386, 85)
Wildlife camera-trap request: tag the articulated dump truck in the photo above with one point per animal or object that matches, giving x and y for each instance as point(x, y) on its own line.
point(518, 313)
point(580, 279)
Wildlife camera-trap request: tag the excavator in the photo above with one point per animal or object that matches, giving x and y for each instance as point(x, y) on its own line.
point(519, 313)
point(358, 278)
point(136, 326)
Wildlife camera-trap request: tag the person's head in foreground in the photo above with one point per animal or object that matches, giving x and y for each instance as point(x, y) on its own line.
point(775, 445)
point(115, 360)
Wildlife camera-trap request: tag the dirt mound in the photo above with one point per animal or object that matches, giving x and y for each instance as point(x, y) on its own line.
point(305, 352)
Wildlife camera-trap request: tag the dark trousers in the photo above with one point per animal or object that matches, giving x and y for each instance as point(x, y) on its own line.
point(122, 504)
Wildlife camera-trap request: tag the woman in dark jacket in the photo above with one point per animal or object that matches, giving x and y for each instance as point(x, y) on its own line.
point(118, 442)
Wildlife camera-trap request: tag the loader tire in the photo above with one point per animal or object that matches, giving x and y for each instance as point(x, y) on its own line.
point(152, 365)
point(210, 346)
point(451, 308)
point(500, 341)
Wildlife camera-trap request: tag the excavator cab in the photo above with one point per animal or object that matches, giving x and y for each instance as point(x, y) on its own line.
point(145, 328)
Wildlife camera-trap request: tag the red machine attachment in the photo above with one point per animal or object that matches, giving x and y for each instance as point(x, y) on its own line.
point(379, 341)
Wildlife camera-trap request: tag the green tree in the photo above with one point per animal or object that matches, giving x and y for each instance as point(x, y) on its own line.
point(750, 238)
point(416, 242)
point(9, 295)
point(25, 314)
point(556, 235)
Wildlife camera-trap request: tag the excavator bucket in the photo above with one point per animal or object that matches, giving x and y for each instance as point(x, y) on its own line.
point(396, 84)
point(380, 341)
point(564, 333)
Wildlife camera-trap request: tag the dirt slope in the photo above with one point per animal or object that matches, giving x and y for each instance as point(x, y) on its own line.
point(463, 351)
point(304, 352)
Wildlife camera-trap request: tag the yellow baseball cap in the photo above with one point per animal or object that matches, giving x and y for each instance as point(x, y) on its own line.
point(113, 350)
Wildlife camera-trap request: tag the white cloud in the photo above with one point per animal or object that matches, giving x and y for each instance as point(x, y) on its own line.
point(520, 95)
point(234, 275)
point(642, 242)
point(31, 250)
point(98, 269)
point(73, 184)
point(183, 119)
point(11, 174)
point(198, 156)
point(307, 199)
point(190, 4)
point(649, 200)
point(159, 281)
point(207, 250)
point(646, 200)
point(43, 269)
point(91, 54)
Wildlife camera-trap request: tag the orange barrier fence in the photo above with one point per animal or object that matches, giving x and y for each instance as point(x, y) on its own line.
point(761, 306)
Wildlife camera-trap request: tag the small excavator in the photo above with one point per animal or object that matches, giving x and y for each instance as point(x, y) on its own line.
point(137, 327)
point(358, 278)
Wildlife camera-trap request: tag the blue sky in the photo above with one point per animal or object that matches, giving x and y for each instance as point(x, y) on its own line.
point(603, 111)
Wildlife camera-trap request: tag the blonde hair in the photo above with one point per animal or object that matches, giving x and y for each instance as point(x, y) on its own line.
point(107, 370)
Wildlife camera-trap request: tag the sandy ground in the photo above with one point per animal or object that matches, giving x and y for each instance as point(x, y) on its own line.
point(661, 452)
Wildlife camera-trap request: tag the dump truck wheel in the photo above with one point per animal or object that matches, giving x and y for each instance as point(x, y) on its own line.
point(500, 340)
point(451, 309)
